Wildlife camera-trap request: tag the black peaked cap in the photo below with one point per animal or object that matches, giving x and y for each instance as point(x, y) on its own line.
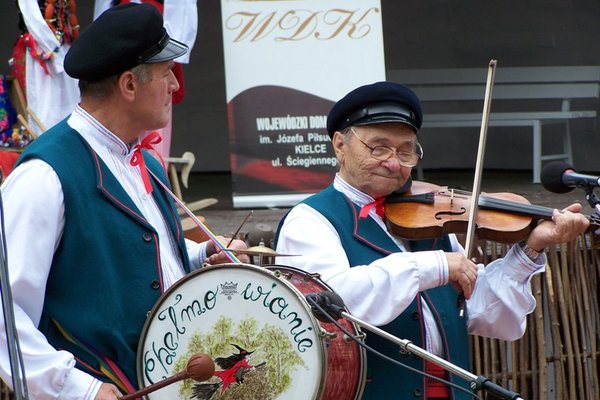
point(376, 103)
point(119, 39)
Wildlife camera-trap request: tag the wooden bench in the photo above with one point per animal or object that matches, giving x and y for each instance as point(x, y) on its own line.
point(530, 97)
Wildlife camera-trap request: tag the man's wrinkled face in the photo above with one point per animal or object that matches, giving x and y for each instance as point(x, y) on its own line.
point(360, 169)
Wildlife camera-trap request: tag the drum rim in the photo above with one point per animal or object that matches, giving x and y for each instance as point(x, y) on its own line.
point(360, 385)
point(150, 316)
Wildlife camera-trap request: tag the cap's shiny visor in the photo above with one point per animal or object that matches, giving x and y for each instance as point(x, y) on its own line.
point(382, 113)
point(165, 49)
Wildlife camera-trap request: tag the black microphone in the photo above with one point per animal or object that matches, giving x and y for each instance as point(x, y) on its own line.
point(560, 177)
point(329, 302)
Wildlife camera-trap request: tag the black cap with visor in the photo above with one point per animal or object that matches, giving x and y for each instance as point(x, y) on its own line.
point(121, 38)
point(377, 103)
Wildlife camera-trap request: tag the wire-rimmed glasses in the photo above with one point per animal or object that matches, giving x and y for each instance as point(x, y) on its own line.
point(383, 153)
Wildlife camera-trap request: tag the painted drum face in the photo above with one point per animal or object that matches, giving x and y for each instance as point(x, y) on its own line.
point(257, 327)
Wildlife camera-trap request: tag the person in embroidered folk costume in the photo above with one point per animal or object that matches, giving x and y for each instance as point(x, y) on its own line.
point(93, 238)
point(408, 288)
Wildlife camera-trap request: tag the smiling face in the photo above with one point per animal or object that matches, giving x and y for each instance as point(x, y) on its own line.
point(367, 174)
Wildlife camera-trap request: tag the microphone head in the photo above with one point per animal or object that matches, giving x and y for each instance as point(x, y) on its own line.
point(325, 305)
point(551, 177)
point(333, 299)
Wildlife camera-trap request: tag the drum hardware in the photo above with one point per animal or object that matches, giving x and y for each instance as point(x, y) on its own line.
point(200, 367)
point(312, 276)
point(279, 274)
point(328, 335)
point(309, 277)
point(359, 335)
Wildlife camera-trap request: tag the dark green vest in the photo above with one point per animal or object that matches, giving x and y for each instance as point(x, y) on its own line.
point(364, 241)
point(105, 275)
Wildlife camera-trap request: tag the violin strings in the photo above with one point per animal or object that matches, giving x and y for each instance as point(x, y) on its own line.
point(501, 204)
point(516, 207)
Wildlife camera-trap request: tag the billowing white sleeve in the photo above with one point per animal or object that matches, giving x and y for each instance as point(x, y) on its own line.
point(196, 253)
point(376, 293)
point(502, 298)
point(34, 221)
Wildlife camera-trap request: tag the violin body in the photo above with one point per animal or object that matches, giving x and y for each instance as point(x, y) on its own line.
point(429, 211)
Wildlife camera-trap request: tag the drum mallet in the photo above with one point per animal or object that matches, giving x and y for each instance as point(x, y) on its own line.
point(200, 367)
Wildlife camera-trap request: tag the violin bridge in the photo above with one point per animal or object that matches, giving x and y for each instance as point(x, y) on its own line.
point(451, 197)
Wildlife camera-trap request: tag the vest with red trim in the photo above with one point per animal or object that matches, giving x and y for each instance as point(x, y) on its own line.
point(105, 276)
point(364, 241)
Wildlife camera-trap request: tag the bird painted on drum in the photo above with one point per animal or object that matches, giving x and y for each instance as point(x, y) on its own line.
point(233, 369)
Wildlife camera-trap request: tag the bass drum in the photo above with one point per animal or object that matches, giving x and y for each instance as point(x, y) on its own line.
point(346, 370)
point(259, 329)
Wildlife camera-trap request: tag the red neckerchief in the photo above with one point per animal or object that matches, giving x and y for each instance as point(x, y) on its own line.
point(379, 209)
point(137, 160)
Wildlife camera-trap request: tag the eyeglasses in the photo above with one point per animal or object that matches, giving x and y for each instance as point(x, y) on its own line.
point(382, 153)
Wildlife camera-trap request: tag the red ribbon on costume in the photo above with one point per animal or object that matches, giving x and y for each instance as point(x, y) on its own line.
point(379, 209)
point(435, 389)
point(137, 160)
point(26, 41)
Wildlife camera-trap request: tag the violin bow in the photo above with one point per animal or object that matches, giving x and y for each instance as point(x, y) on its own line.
point(487, 102)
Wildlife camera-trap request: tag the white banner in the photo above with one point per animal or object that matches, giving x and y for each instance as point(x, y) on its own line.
point(286, 64)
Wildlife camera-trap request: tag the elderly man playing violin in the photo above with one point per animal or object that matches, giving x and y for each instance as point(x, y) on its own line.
point(93, 236)
point(408, 288)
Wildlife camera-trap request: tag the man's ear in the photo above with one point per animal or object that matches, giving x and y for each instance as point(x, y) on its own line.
point(127, 85)
point(338, 144)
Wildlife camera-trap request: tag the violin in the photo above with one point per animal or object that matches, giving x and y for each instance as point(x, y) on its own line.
point(426, 211)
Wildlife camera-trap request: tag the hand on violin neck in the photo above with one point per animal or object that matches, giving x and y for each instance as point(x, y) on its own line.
point(564, 227)
point(462, 273)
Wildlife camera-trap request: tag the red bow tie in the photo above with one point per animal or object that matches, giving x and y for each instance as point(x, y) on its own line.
point(379, 209)
point(137, 160)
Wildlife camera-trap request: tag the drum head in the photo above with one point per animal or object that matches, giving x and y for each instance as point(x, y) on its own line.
point(258, 328)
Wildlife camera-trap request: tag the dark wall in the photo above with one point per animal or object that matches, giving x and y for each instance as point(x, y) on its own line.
point(445, 34)
point(423, 34)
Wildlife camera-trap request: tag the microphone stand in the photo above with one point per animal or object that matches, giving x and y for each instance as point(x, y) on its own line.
point(477, 382)
point(592, 199)
point(14, 349)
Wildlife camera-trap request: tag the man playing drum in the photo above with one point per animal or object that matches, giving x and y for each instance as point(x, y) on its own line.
point(408, 288)
point(93, 240)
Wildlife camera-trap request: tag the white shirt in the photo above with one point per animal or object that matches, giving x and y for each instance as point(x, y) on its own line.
point(34, 221)
point(379, 292)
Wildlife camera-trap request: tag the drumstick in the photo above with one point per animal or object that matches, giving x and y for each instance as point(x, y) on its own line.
point(200, 367)
point(239, 228)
